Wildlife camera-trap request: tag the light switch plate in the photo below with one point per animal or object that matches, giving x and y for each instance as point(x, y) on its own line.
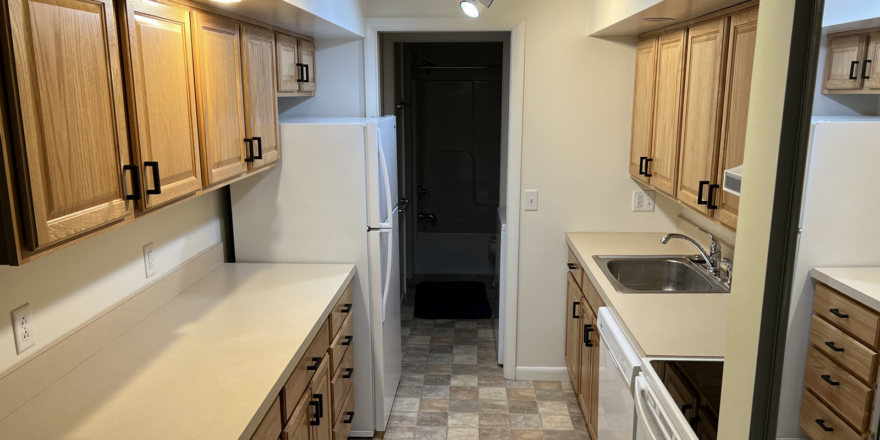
point(149, 260)
point(531, 200)
point(643, 201)
point(23, 328)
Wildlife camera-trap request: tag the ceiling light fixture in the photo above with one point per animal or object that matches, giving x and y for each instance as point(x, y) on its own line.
point(659, 19)
point(473, 8)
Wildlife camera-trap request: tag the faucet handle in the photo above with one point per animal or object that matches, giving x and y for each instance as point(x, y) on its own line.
point(714, 247)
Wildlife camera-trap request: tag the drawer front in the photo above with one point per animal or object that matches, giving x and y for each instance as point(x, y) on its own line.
point(839, 389)
point(340, 345)
point(270, 427)
point(846, 351)
point(574, 266)
point(341, 310)
point(813, 412)
point(851, 317)
point(341, 383)
point(305, 370)
point(343, 425)
point(299, 426)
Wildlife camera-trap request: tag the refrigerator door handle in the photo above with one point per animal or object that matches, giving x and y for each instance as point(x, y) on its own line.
point(387, 181)
point(387, 270)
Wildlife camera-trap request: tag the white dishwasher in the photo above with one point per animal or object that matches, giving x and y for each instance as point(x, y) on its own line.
point(618, 366)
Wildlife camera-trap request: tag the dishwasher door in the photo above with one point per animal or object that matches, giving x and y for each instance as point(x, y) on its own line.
point(618, 364)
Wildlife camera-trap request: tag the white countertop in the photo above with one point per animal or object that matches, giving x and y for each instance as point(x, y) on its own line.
point(207, 365)
point(859, 283)
point(658, 325)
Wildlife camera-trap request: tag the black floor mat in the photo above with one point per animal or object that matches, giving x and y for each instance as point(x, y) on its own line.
point(452, 300)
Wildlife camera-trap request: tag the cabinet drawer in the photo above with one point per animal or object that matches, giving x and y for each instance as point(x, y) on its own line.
point(343, 425)
point(341, 383)
point(299, 426)
point(851, 317)
point(839, 389)
point(341, 343)
point(341, 310)
point(270, 427)
point(574, 267)
point(305, 369)
point(813, 412)
point(846, 351)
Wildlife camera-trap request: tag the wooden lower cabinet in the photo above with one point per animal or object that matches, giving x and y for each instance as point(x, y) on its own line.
point(299, 426)
point(582, 348)
point(342, 427)
point(270, 427)
point(322, 425)
point(573, 311)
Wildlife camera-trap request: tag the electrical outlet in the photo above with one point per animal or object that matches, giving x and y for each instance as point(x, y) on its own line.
point(23, 328)
point(531, 200)
point(643, 201)
point(149, 260)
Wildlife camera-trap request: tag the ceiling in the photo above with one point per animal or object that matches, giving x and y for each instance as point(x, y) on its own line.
point(679, 10)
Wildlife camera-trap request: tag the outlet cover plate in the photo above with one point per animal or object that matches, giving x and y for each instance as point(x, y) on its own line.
point(23, 328)
point(149, 260)
point(643, 201)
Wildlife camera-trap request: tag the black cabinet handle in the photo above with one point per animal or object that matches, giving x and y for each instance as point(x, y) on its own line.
point(588, 330)
point(346, 309)
point(710, 200)
point(642, 165)
point(157, 181)
point(347, 340)
point(700, 200)
point(647, 164)
point(135, 182)
point(833, 347)
point(865, 69)
point(350, 371)
point(572, 266)
point(320, 398)
point(350, 415)
point(822, 425)
point(249, 152)
point(317, 363)
point(259, 142)
point(852, 68)
point(827, 378)
point(303, 73)
point(308, 76)
point(317, 405)
point(574, 312)
point(836, 312)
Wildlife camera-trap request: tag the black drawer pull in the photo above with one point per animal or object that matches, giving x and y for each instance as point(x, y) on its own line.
point(700, 200)
point(574, 313)
point(135, 182)
point(346, 309)
point(588, 330)
point(572, 266)
point(316, 364)
point(852, 68)
point(350, 371)
point(157, 182)
point(833, 347)
point(320, 398)
point(647, 164)
point(317, 405)
point(350, 415)
point(642, 165)
point(865, 70)
point(836, 312)
point(686, 407)
point(827, 378)
point(822, 425)
point(347, 340)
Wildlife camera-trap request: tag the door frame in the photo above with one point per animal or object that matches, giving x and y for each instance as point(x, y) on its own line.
point(373, 103)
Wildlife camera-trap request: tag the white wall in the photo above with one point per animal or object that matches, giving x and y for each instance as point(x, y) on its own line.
point(845, 11)
point(576, 133)
point(73, 286)
point(339, 73)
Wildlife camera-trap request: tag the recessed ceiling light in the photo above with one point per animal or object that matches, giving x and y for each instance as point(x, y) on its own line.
point(659, 19)
point(473, 8)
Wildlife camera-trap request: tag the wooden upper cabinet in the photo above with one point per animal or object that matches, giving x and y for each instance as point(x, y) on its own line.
point(287, 59)
point(261, 105)
point(643, 107)
point(70, 127)
point(843, 59)
point(217, 47)
point(667, 110)
point(306, 54)
point(162, 101)
point(740, 59)
point(701, 121)
point(872, 61)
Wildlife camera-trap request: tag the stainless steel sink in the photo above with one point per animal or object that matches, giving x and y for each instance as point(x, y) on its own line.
point(657, 274)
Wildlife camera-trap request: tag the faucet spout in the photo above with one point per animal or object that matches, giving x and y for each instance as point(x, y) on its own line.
point(712, 258)
point(702, 252)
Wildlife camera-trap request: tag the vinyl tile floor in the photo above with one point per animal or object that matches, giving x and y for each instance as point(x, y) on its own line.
point(452, 389)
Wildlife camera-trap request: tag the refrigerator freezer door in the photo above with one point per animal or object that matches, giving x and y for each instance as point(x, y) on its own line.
point(381, 149)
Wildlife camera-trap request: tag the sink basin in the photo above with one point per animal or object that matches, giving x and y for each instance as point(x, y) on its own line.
point(657, 274)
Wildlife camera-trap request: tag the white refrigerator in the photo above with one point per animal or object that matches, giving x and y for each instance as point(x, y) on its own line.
point(333, 199)
point(837, 228)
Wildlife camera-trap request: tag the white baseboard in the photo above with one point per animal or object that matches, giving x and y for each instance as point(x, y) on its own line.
point(362, 434)
point(542, 373)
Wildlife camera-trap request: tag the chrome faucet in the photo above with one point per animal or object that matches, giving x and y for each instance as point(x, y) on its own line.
point(712, 258)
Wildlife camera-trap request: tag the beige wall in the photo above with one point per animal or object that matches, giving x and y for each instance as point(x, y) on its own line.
point(73, 286)
point(576, 132)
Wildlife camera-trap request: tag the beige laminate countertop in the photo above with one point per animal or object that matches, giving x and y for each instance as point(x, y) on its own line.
point(207, 365)
point(859, 283)
point(674, 325)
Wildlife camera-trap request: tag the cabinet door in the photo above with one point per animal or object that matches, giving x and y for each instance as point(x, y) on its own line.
point(872, 60)
point(322, 425)
point(667, 110)
point(643, 107)
point(589, 341)
point(843, 59)
point(217, 44)
point(162, 100)
point(261, 105)
point(740, 59)
point(306, 53)
point(573, 311)
point(703, 95)
point(299, 426)
point(71, 125)
point(287, 59)
point(593, 416)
